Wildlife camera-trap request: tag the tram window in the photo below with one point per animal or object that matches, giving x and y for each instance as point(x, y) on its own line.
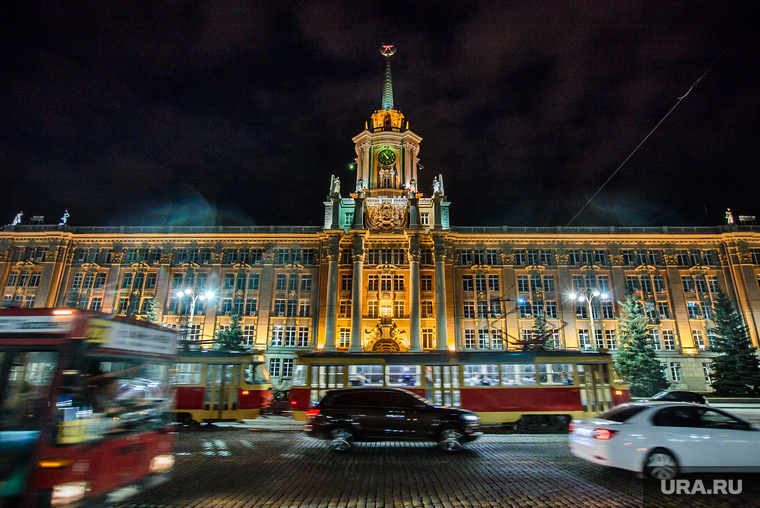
point(365, 375)
point(299, 376)
point(186, 374)
point(616, 377)
point(555, 373)
point(515, 374)
point(327, 376)
point(581, 375)
point(402, 375)
point(605, 375)
point(256, 374)
point(481, 375)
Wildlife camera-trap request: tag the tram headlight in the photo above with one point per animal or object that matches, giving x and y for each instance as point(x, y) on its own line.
point(67, 493)
point(161, 463)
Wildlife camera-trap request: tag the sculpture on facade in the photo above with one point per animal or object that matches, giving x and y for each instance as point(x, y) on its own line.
point(17, 219)
point(729, 216)
point(413, 187)
point(360, 185)
point(436, 186)
point(65, 218)
point(336, 186)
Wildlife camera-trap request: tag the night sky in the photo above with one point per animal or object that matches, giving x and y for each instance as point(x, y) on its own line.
point(237, 113)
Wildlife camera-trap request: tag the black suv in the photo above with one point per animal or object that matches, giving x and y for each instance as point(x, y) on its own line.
point(388, 414)
point(677, 396)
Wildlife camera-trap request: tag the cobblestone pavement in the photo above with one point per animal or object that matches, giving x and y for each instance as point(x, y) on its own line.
point(239, 468)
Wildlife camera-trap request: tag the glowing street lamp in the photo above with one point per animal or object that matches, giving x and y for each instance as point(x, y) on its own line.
point(585, 295)
point(194, 294)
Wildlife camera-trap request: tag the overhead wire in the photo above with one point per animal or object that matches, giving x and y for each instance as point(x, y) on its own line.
point(681, 98)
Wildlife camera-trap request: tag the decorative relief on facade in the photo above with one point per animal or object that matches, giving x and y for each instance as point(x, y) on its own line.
point(745, 258)
point(70, 256)
point(92, 267)
point(5, 255)
point(723, 259)
point(698, 270)
point(479, 269)
point(670, 259)
point(186, 267)
point(616, 259)
point(385, 269)
point(507, 259)
point(242, 267)
point(292, 268)
point(561, 259)
point(217, 257)
point(386, 337)
point(386, 216)
point(645, 269)
point(50, 255)
point(358, 258)
point(537, 270)
point(166, 258)
point(117, 258)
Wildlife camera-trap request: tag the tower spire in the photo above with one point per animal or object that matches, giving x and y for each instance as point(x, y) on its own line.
point(387, 50)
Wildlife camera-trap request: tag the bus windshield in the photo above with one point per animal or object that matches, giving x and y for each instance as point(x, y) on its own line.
point(27, 388)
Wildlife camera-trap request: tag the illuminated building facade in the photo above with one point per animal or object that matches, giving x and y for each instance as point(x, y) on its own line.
point(387, 272)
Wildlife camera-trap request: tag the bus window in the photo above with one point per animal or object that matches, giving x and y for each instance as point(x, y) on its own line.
point(27, 390)
point(256, 374)
point(555, 373)
point(110, 397)
point(187, 374)
point(402, 375)
point(517, 374)
point(365, 375)
point(481, 375)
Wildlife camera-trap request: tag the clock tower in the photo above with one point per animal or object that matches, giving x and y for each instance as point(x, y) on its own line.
point(387, 196)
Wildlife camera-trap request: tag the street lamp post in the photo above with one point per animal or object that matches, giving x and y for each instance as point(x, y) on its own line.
point(588, 296)
point(194, 294)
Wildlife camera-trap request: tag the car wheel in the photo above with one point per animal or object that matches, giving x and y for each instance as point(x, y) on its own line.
point(342, 440)
point(451, 440)
point(661, 465)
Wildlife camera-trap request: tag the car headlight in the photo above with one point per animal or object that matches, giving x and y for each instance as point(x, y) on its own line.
point(470, 417)
point(67, 493)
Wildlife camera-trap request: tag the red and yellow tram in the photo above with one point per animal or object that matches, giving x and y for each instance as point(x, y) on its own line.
point(216, 386)
point(546, 388)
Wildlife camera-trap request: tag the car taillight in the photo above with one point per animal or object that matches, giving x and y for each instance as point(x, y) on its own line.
point(571, 427)
point(604, 434)
point(312, 413)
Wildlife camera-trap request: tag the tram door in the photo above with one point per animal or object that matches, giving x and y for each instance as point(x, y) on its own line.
point(222, 382)
point(324, 378)
point(442, 385)
point(596, 394)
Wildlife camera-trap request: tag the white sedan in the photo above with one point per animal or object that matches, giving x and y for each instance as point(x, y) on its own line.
point(662, 439)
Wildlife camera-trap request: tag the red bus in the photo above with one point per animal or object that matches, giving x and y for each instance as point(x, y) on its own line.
point(523, 390)
point(220, 386)
point(84, 404)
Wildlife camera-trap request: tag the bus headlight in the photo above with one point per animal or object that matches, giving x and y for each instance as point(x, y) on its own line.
point(67, 493)
point(161, 463)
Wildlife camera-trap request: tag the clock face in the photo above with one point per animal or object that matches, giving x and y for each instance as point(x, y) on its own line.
point(386, 157)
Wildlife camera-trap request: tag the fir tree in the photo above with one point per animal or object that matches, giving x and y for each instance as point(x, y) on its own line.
point(232, 339)
point(636, 359)
point(736, 372)
point(541, 331)
point(152, 313)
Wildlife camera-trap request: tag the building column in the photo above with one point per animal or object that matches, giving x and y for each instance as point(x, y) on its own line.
point(441, 332)
point(331, 309)
point(357, 297)
point(414, 287)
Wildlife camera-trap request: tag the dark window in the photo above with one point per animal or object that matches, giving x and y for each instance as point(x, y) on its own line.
point(623, 413)
point(686, 416)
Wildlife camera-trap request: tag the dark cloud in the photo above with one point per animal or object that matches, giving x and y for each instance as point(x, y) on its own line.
point(127, 112)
